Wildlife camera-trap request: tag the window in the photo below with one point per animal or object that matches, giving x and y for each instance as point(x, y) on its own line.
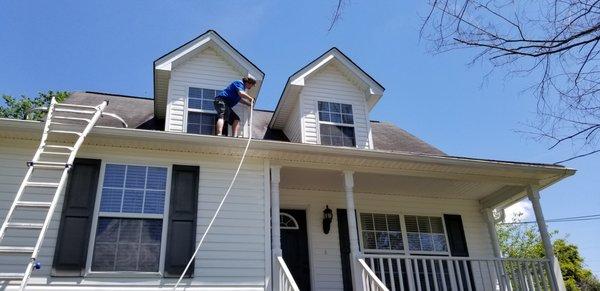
point(287, 221)
point(381, 231)
point(336, 124)
point(201, 111)
point(425, 233)
point(130, 220)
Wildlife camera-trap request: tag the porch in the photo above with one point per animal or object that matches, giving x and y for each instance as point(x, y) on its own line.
point(398, 230)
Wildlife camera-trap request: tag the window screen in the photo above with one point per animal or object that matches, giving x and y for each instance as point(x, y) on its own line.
point(202, 123)
point(381, 231)
point(425, 233)
point(337, 135)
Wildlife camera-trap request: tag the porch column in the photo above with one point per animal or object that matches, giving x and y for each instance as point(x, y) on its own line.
point(352, 233)
point(534, 196)
point(275, 224)
point(491, 223)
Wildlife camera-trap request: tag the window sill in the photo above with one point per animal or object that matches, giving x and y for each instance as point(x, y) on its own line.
point(123, 274)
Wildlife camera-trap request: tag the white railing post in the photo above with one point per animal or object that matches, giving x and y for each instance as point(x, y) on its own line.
point(275, 224)
point(286, 281)
point(352, 233)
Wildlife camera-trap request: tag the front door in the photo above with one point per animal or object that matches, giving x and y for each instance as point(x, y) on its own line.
point(294, 244)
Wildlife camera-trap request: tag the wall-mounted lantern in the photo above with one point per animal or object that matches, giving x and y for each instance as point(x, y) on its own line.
point(327, 218)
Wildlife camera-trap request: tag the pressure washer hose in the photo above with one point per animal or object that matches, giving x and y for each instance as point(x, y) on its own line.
point(222, 200)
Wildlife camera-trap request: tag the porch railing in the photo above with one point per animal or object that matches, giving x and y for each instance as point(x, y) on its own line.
point(370, 282)
point(286, 281)
point(425, 273)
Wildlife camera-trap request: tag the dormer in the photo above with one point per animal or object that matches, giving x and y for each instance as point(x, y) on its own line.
point(328, 102)
point(187, 79)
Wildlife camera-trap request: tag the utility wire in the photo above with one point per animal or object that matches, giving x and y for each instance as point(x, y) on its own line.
point(564, 219)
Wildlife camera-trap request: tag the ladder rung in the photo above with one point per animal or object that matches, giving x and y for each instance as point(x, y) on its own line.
point(56, 153)
point(11, 276)
point(44, 164)
point(41, 184)
point(75, 105)
point(59, 147)
point(74, 111)
point(24, 225)
point(71, 118)
point(34, 204)
point(65, 132)
point(19, 250)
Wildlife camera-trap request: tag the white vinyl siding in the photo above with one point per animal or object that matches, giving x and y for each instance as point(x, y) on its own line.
point(324, 248)
point(234, 255)
point(331, 85)
point(206, 70)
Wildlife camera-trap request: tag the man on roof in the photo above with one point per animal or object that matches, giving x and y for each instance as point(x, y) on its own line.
point(229, 97)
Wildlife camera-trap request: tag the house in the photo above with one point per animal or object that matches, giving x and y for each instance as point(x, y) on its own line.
point(327, 199)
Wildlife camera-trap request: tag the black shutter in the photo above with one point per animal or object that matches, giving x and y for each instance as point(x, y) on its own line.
point(73, 237)
point(458, 244)
point(181, 234)
point(344, 238)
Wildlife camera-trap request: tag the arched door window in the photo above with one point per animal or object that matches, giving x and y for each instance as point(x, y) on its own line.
point(287, 221)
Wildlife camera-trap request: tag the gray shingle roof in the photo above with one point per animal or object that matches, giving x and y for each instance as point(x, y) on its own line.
point(138, 112)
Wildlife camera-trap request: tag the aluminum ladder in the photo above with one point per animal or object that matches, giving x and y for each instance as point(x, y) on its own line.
point(69, 124)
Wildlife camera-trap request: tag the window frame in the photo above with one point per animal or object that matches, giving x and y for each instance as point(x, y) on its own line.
point(319, 122)
point(404, 233)
point(195, 110)
point(97, 214)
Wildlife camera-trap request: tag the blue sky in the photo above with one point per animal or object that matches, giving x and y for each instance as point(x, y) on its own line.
point(109, 46)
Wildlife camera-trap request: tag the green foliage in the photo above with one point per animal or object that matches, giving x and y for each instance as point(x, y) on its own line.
point(22, 108)
point(522, 241)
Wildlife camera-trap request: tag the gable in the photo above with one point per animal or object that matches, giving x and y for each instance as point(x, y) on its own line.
point(164, 65)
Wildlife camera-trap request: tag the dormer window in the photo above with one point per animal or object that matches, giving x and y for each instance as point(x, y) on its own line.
point(336, 124)
point(201, 117)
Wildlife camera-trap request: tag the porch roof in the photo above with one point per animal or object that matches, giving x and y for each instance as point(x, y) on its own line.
point(505, 181)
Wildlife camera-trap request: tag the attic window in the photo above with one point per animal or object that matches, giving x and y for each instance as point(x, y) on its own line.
point(336, 124)
point(201, 116)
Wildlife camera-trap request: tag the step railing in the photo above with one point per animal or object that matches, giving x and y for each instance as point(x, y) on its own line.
point(370, 282)
point(286, 281)
point(425, 273)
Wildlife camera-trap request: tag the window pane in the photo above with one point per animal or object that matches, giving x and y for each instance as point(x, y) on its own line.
point(208, 105)
point(423, 224)
point(157, 178)
point(396, 241)
point(383, 240)
point(195, 92)
point(111, 200)
point(369, 240)
point(114, 175)
point(335, 117)
point(194, 117)
point(136, 177)
point(195, 103)
point(130, 230)
point(336, 141)
point(411, 223)
point(149, 258)
point(335, 107)
point(414, 241)
point(347, 108)
point(380, 222)
point(439, 242)
point(104, 257)
point(208, 94)
point(208, 119)
point(152, 230)
point(324, 116)
point(323, 106)
point(393, 222)
point(193, 128)
point(426, 242)
point(107, 230)
point(207, 129)
point(347, 119)
point(154, 202)
point(127, 255)
point(436, 225)
point(366, 220)
point(132, 201)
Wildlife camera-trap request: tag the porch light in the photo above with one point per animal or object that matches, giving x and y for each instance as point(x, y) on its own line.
point(327, 218)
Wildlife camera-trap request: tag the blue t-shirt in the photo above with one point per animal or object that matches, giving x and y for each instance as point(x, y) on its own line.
point(230, 93)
